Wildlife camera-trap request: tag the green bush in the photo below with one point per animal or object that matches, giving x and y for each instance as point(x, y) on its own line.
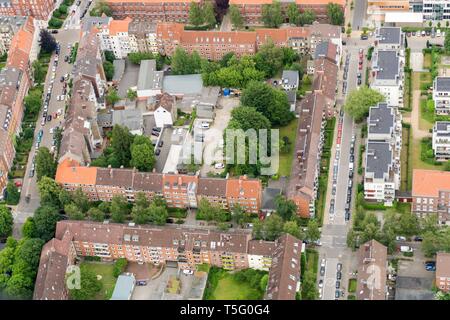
point(119, 267)
point(55, 23)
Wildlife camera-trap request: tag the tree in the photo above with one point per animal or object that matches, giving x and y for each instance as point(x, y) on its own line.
point(238, 215)
point(196, 17)
point(47, 41)
point(109, 70)
point(271, 102)
point(236, 17)
point(272, 16)
point(74, 212)
point(312, 233)
point(292, 228)
point(143, 156)
point(293, 13)
point(269, 58)
point(273, 227)
point(307, 17)
point(109, 56)
point(39, 72)
point(447, 41)
point(29, 228)
point(112, 96)
point(33, 101)
point(208, 14)
point(158, 214)
point(119, 209)
point(100, 9)
point(245, 118)
point(185, 63)
point(121, 143)
point(119, 267)
point(309, 288)
point(64, 197)
point(105, 207)
point(89, 285)
point(96, 214)
point(45, 219)
point(140, 212)
point(80, 200)
point(285, 208)
point(45, 164)
point(335, 13)
point(49, 191)
point(12, 194)
point(263, 282)
point(359, 101)
point(6, 222)
point(131, 94)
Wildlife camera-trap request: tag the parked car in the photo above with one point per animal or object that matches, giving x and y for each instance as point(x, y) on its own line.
point(49, 118)
point(156, 129)
point(406, 249)
point(54, 31)
point(400, 238)
point(320, 283)
point(219, 166)
point(155, 133)
point(417, 238)
point(337, 294)
point(157, 152)
point(339, 266)
point(347, 215)
point(339, 275)
point(66, 59)
point(322, 271)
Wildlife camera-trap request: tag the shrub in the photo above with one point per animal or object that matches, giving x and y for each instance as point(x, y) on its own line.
point(119, 267)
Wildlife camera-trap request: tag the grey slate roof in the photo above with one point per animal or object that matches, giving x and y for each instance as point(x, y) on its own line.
point(381, 119)
point(268, 200)
point(388, 65)
point(124, 287)
point(91, 21)
point(119, 69)
point(149, 77)
point(442, 128)
point(131, 118)
point(389, 35)
point(442, 83)
point(291, 76)
point(321, 50)
point(379, 158)
point(183, 84)
point(292, 96)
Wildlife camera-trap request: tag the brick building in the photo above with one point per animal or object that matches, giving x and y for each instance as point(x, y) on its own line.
point(166, 10)
point(183, 247)
point(39, 9)
point(443, 271)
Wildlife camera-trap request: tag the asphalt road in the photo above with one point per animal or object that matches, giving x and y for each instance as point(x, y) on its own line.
point(26, 209)
point(359, 14)
point(335, 228)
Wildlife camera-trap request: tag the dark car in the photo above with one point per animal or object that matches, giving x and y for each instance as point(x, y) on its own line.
point(349, 191)
point(160, 144)
point(350, 174)
point(155, 133)
point(347, 215)
point(364, 37)
point(54, 31)
point(66, 59)
point(339, 275)
point(337, 294)
point(62, 79)
point(157, 152)
point(359, 81)
point(322, 271)
point(156, 129)
point(417, 238)
point(338, 284)
point(352, 158)
point(49, 117)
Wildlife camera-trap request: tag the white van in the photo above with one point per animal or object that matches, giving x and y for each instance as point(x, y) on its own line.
point(406, 249)
point(205, 125)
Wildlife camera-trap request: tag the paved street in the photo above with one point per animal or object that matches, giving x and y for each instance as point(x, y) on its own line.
point(359, 13)
point(26, 209)
point(334, 231)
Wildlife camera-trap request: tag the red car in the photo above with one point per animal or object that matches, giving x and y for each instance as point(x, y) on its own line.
point(18, 183)
point(360, 67)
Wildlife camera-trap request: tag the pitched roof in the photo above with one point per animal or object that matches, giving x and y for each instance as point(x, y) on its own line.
point(69, 172)
point(122, 178)
point(443, 265)
point(429, 183)
point(146, 181)
point(243, 187)
point(117, 26)
point(212, 187)
point(372, 264)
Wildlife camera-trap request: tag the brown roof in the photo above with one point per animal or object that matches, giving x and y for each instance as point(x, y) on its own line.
point(261, 248)
point(71, 172)
point(146, 181)
point(429, 183)
point(325, 79)
point(212, 187)
point(285, 269)
point(372, 265)
point(243, 187)
point(442, 265)
point(165, 101)
point(122, 178)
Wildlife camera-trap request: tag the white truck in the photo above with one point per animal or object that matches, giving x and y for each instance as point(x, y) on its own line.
point(406, 249)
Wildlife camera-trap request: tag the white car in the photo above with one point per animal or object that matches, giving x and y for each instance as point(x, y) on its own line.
point(205, 125)
point(59, 112)
point(52, 130)
point(400, 238)
point(219, 166)
point(43, 122)
point(322, 263)
point(187, 272)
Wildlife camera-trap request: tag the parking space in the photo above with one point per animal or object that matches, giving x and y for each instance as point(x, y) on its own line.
point(154, 290)
point(214, 135)
point(164, 150)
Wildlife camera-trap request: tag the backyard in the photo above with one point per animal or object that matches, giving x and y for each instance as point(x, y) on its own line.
point(289, 131)
point(105, 271)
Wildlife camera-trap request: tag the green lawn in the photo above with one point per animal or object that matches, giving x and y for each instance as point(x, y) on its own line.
point(406, 172)
point(427, 60)
point(352, 285)
point(289, 131)
point(105, 270)
point(312, 260)
point(415, 153)
point(229, 289)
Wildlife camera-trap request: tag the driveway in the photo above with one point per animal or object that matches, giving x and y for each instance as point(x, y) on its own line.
point(416, 61)
point(418, 134)
point(129, 78)
point(155, 288)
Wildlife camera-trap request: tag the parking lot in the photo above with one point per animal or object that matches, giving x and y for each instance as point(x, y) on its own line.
point(214, 135)
point(164, 150)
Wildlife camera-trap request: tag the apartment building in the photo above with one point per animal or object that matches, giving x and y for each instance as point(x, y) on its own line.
point(377, 9)
point(389, 38)
point(252, 10)
point(441, 95)
point(284, 274)
point(115, 37)
point(372, 267)
point(260, 254)
point(166, 10)
point(304, 178)
point(9, 26)
point(179, 191)
point(325, 83)
point(431, 194)
point(38, 9)
point(383, 148)
point(441, 140)
point(443, 271)
point(387, 73)
point(15, 81)
point(214, 45)
point(183, 247)
point(436, 10)
point(144, 32)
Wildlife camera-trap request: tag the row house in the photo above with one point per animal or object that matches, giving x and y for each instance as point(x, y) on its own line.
point(179, 191)
point(431, 194)
point(388, 77)
point(183, 247)
point(166, 10)
point(441, 140)
point(9, 25)
point(38, 9)
point(383, 148)
point(252, 10)
point(441, 95)
point(214, 45)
